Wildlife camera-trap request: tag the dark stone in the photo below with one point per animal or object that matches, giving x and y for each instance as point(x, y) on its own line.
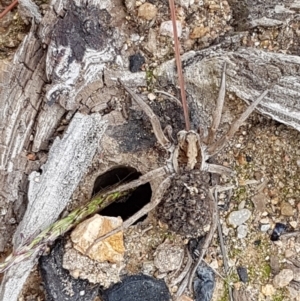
point(59, 284)
point(248, 158)
point(257, 242)
point(243, 274)
point(277, 231)
point(204, 283)
point(195, 246)
point(137, 288)
point(136, 61)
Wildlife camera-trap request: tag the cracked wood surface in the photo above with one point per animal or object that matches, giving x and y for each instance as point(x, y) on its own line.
point(249, 72)
point(50, 190)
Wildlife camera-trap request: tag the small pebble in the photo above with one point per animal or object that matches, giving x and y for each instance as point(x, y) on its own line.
point(248, 158)
point(204, 283)
point(286, 209)
point(242, 205)
point(268, 290)
point(136, 61)
point(284, 277)
point(293, 224)
point(166, 29)
point(265, 227)
point(257, 242)
point(277, 231)
point(147, 11)
point(167, 257)
point(151, 96)
point(264, 220)
point(237, 218)
point(242, 231)
point(274, 264)
point(225, 230)
point(214, 264)
point(243, 274)
point(199, 32)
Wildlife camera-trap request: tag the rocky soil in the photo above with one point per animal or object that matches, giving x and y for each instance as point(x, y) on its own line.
point(264, 154)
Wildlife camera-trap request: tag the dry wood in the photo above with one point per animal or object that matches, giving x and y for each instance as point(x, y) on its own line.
point(249, 72)
point(50, 191)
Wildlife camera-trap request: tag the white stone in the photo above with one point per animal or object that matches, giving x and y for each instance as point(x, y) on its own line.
point(185, 3)
point(242, 231)
point(166, 29)
point(265, 227)
point(151, 96)
point(237, 218)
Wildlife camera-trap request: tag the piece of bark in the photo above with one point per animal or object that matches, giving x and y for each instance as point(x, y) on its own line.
point(29, 10)
point(249, 72)
point(50, 191)
point(247, 14)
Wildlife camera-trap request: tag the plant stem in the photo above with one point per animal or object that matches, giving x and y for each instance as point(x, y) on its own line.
point(179, 68)
point(8, 8)
point(50, 234)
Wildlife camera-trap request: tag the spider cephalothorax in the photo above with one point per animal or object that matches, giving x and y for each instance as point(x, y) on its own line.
point(188, 151)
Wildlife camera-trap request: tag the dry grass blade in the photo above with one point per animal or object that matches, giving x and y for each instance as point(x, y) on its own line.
point(50, 234)
point(179, 68)
point(8, 8)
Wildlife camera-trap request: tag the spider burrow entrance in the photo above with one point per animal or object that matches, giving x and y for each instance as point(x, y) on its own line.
point(128, 206)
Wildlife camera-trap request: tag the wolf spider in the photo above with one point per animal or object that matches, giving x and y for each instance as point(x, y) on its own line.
point(191, 152)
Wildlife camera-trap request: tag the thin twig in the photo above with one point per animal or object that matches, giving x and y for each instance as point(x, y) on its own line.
point(208, 238)
point(179, 68)
point(185, 270)
point(8, 8)
point(177, 101)
point(222, 245)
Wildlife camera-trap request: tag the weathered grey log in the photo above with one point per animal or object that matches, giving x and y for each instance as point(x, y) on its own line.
point(50, 191)
point(249, 73)
point(29, 10)
point(28, 121)
point(268, 13)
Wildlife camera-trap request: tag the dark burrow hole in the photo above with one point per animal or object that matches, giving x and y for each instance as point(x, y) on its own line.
point(129, 206)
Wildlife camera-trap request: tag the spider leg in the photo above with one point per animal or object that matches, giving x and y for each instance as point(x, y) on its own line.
point(159, 134)
point(219, 169)
point(208, 237)
point(216, 117)
point(155, 200)
point(218, 145)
